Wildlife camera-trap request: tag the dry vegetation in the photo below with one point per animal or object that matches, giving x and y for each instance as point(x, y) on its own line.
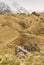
point(22, 39)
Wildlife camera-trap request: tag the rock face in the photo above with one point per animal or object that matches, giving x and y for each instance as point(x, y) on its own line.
point(32, 47)
point(4, 8)
point(20, 52)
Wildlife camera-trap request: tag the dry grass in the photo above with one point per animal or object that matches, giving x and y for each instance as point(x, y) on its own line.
point(21, 30)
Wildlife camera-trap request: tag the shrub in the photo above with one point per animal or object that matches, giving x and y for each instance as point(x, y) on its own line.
point(34, 13)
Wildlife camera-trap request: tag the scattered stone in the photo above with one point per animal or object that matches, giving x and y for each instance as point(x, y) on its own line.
point(32, 47)
point(20, 52)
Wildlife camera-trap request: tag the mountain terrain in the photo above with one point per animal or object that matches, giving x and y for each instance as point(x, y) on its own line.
point(21, 36)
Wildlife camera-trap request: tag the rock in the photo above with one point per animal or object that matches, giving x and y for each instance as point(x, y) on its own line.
point(20, 52)
point(32, 47)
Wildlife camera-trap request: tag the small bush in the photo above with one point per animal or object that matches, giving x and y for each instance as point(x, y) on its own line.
point(42, 20)
point(34, 13)
point(23, 24)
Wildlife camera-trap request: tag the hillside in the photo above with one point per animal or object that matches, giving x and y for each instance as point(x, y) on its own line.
point(22, 39)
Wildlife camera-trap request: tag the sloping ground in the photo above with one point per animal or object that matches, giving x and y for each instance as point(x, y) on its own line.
point(26, 32)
